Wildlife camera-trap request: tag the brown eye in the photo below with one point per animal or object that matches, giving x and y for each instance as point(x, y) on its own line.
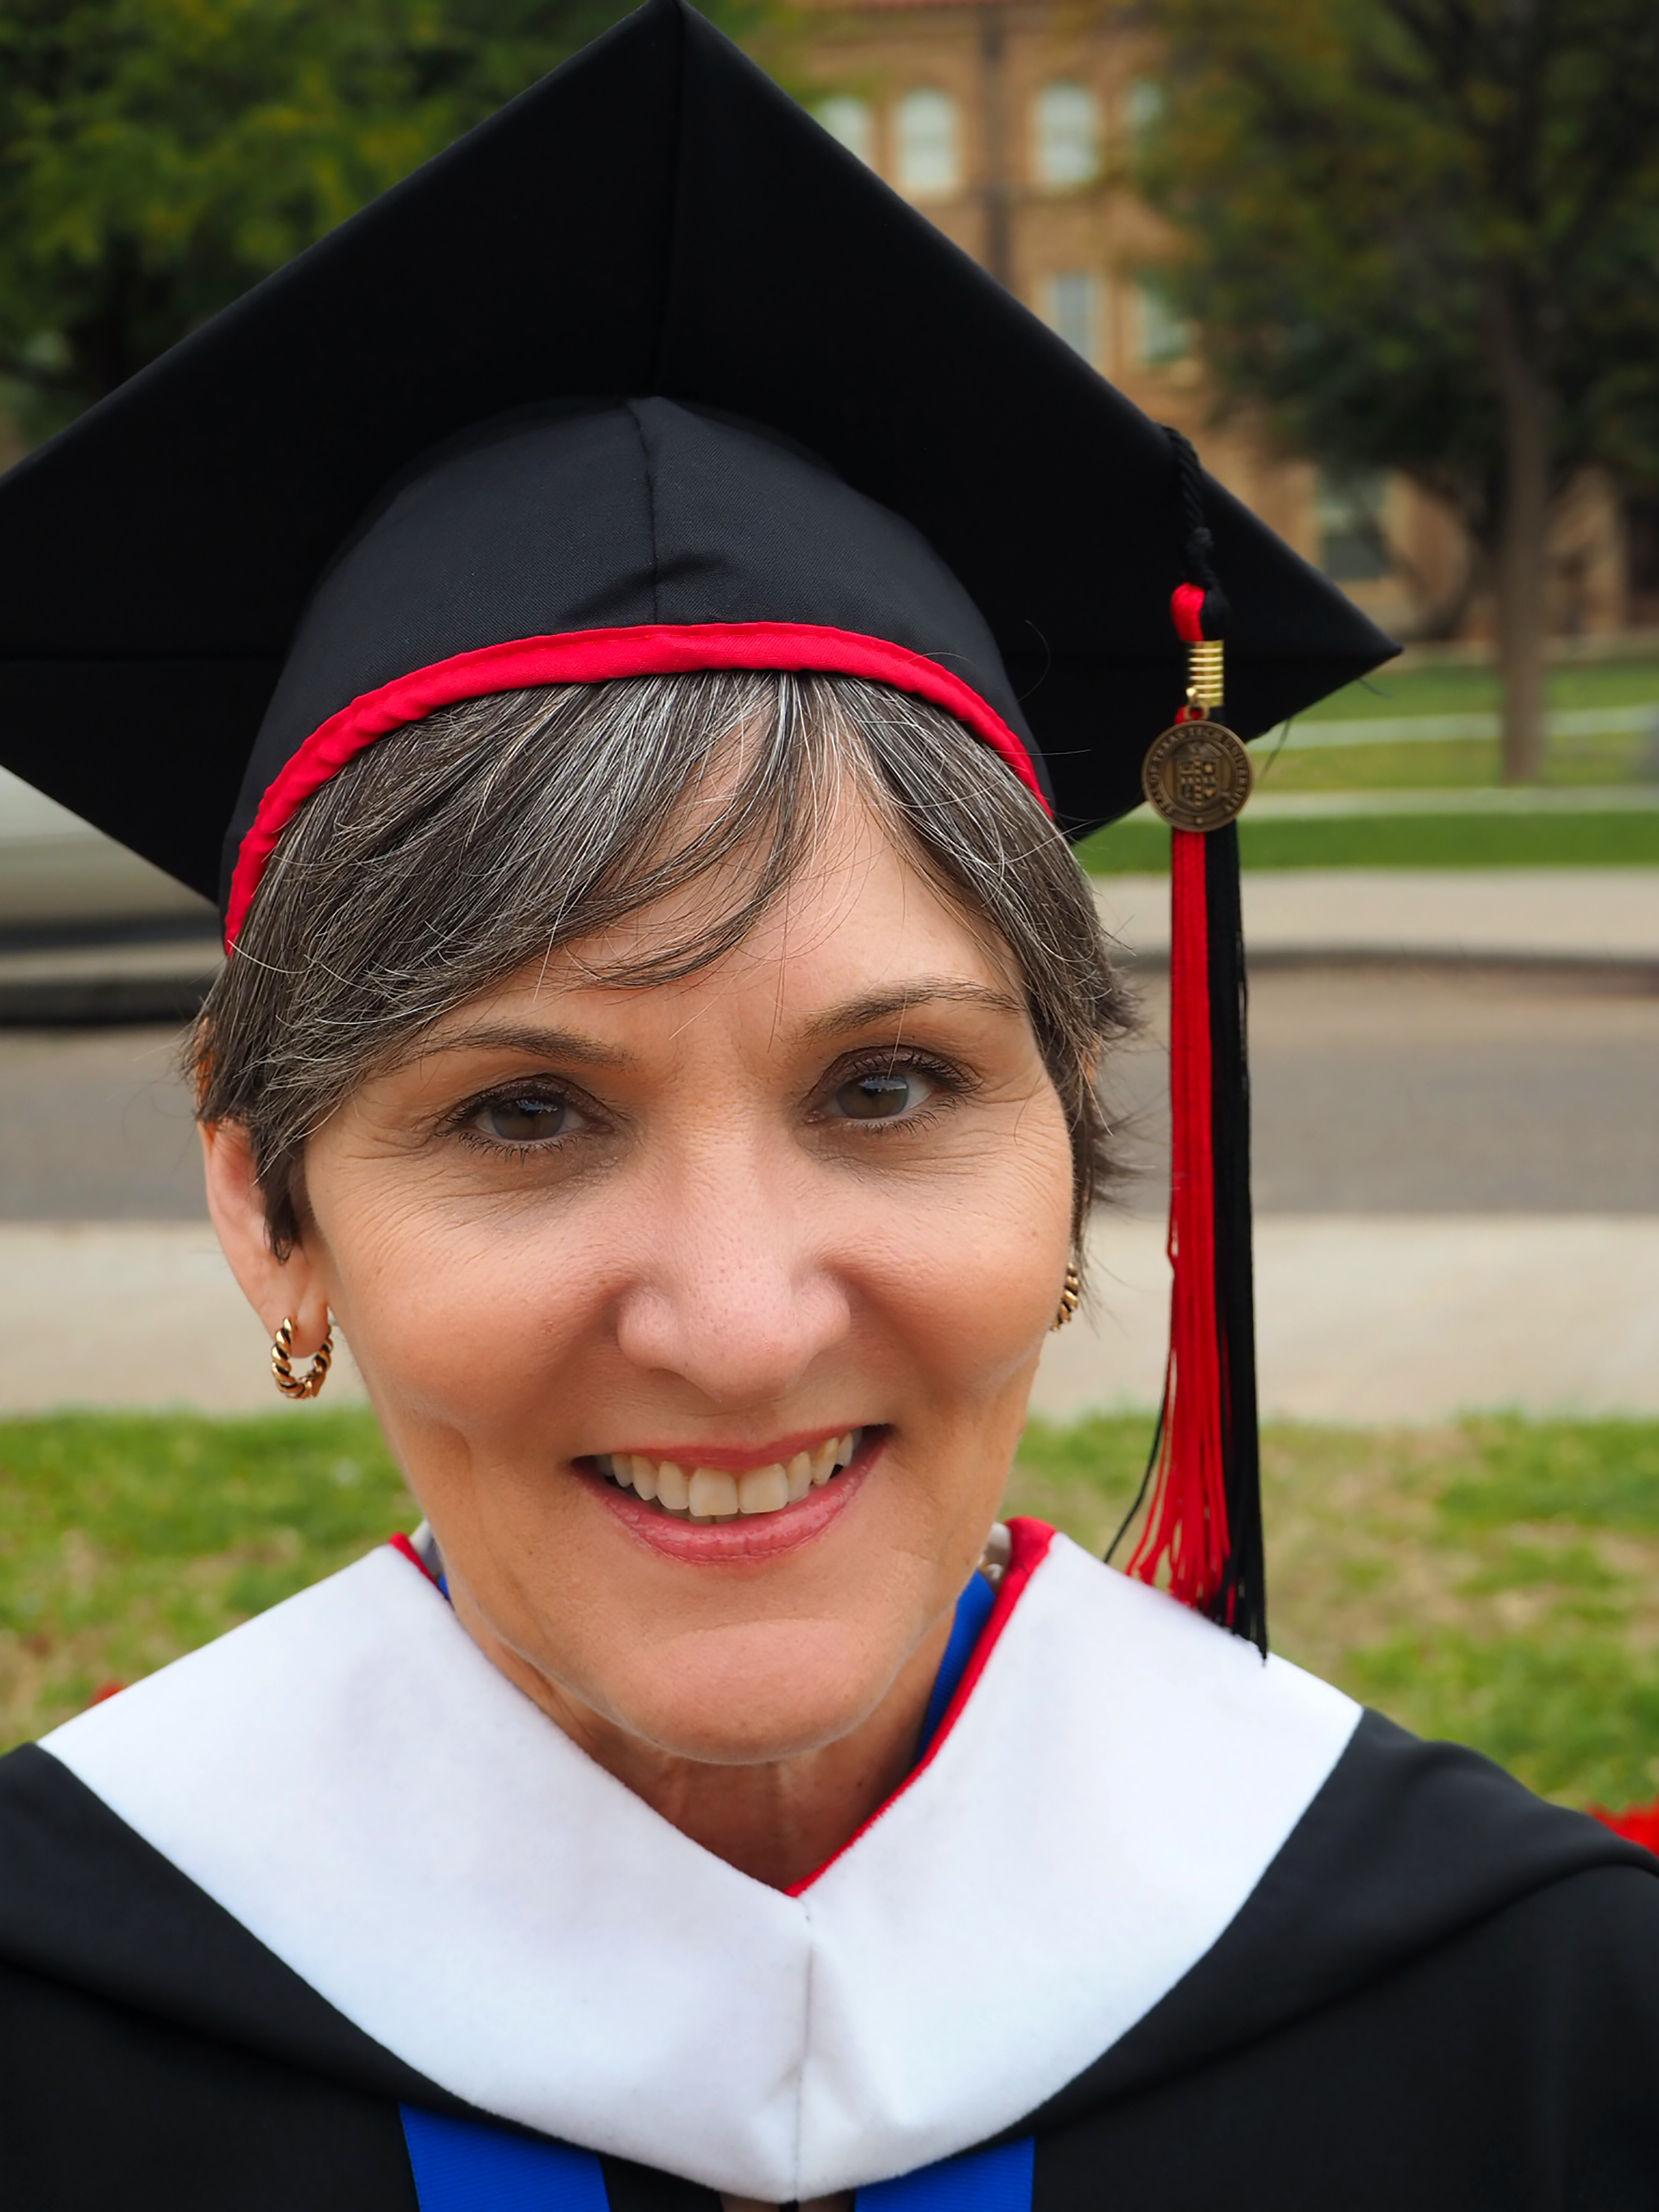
point(883, 1095)
point(526, 1120)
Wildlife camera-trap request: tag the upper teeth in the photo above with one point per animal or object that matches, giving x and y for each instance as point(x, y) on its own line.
point(710, 1493)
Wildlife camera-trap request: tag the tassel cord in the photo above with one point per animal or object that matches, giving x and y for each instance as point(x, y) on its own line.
point(1208, 617)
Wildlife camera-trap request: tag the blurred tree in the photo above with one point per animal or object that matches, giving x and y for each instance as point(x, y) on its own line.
point(159, 156)
point(1423, 235)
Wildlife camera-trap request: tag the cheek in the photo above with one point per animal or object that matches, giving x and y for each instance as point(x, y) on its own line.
point(457, 1324)
point(976, 1283)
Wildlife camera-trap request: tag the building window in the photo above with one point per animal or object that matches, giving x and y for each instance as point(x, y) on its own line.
point(1066, 135)
point(929, 158)
point(1348, 507)
point(1143, 108)
point(850, 121)
point(1071, 307)
point(1161, 336)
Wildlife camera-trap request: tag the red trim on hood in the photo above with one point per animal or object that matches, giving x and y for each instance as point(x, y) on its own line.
point(400, 1542)
point(1030, 1541)
point(594, 656)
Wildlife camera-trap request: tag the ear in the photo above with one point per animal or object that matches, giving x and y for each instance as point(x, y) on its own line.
point(277, 1289)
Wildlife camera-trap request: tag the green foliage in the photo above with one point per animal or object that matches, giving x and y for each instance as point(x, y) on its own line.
point(1391, 209)
point(159, 156)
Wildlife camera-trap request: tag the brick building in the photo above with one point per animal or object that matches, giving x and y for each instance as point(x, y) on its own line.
point(1011, 123)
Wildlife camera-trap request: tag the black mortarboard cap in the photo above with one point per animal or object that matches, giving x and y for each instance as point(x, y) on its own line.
point(656, 218)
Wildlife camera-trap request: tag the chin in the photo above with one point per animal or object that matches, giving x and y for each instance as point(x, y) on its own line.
point(725, 1716)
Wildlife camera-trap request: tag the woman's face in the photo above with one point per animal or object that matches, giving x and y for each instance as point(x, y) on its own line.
point(701, 1235)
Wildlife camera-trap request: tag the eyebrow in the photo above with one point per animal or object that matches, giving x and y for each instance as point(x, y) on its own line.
point(538, 1042)
point(533, 1039)
point(923, 990)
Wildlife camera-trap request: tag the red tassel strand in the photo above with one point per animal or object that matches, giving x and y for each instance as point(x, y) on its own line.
point(1186, 1528)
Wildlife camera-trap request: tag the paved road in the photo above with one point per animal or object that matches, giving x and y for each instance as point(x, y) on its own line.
point(96, 1126)
point(1393, 1089)
point(1435, 1089)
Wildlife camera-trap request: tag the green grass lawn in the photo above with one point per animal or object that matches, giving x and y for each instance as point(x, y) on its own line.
point(1457, 688)
point(1496, 1580)
point(1401, 841)
point(1578, 759)
point(1448, 763)
point(126, 1538)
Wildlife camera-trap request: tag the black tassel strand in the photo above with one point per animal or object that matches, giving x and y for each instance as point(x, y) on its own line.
point(1245, 1609)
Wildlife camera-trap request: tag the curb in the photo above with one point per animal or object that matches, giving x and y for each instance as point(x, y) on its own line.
point(99, 985)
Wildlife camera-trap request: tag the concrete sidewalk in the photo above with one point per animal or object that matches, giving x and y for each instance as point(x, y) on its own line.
point(1605, 915)
point(1361, 1318)
point(1392, 1317)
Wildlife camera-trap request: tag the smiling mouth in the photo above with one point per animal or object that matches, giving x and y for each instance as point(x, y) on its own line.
point(710, 1493)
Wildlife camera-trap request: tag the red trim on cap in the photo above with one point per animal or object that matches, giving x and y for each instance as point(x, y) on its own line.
point(594, 656)
point(1029, 1543)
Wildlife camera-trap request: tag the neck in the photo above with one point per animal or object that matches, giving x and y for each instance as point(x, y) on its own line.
point(776, 1820)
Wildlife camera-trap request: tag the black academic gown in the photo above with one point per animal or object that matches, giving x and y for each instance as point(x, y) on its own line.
point(1198, 1928)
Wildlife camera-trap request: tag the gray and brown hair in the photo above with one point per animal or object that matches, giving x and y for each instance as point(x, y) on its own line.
point(453, 851)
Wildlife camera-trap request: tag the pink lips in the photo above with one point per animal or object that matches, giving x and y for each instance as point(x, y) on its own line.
point(756, 1536)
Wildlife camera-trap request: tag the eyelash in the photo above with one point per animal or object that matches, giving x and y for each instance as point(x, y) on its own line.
point(951, 1083)
point(460, 1123)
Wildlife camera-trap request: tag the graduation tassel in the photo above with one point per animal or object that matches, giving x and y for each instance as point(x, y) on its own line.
point(1203, 1527)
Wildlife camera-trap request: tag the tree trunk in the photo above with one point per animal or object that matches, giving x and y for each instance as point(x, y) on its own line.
point(1521, 553)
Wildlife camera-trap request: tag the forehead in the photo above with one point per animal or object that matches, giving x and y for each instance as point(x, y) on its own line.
point(859, 915)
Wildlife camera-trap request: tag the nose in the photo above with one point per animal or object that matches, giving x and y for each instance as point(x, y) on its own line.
point(732, 1288)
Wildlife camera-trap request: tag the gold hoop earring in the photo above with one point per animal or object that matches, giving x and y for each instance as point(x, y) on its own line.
point(1071, 1297)
point(282, 1363)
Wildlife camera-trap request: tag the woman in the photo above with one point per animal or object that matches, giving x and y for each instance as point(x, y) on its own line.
point(661, 1032)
